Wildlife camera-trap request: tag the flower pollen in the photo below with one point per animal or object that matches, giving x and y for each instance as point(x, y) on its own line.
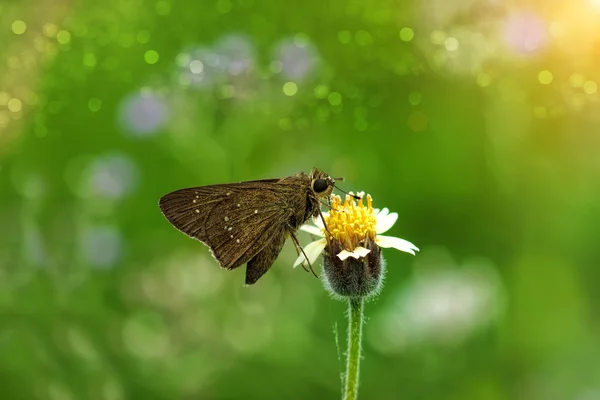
point(351, 222)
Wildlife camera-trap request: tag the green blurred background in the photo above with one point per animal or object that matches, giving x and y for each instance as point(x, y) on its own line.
point(476, 120)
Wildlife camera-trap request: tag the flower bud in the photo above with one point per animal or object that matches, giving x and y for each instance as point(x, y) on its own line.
point(360, 277)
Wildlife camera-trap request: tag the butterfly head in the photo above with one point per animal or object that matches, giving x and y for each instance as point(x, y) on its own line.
point(321, 183)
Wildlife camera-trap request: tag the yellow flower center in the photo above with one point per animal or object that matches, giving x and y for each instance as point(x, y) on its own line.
point(351, 222)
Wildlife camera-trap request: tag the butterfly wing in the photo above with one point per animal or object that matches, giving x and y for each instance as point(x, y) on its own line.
point(236, 221)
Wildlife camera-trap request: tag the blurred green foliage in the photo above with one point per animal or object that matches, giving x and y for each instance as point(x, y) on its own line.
point(477, 121)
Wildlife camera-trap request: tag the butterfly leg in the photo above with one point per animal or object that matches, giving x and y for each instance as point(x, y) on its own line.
point(297, 243)
point(298, 251)
point(324, 223)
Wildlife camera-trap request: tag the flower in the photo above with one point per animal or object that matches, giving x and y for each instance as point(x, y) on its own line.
point(353, 267)
point(352, 224)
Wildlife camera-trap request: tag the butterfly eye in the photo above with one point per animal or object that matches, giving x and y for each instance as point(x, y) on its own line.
point(319, 185)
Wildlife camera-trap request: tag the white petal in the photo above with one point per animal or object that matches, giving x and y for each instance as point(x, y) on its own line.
point(383, 212)
point(357, 253)
point(318, 221)
point(312, 230)
point(342, 255)
point(396, 243)
point(386, 222)
point(361, 251)
point(312, 250)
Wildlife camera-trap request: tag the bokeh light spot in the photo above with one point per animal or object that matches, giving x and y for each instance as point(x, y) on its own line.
point(406, 34)
point(196, 67)
point(285, 124)
point(483, 79)
point(321, 91)
point(18, 27)
point(363, 38)
point(438, 37)
point(290, 88)
point(231, 56)
point(360, 124)
point(89, 60)
point(28, 184)
point(49, 30)
point(151, 57)
point(4, 118)
point(451, 44)
point(576, 80)
point(344, 37)
point(335, 98)
point(183, 60)
point(590, 87)
point(276, 66)
point(162, 8)
point(525, 32)
point(226, 91)
point(415, 98)
point(545, 77)
point(143, 36)
point(417, 121)
point(40, 131)
point(323, 113)
point(14, 105)
point(94, 104)
point(63, 37)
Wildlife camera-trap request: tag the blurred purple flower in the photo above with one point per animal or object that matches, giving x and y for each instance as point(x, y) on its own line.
point(298, 58)
point(525, 32)
point(236, 54)
point(101, 246)
point(143, 114)
point(112, 176)
point(202, 67)
point(443, 304)
point(33, 243)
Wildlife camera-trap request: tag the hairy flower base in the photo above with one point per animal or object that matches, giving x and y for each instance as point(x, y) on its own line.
point(351, 246)
point(353, 277)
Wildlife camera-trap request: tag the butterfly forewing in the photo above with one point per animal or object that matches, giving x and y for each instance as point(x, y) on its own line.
point(234, 221)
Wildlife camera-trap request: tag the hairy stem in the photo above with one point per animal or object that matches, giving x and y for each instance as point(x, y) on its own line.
point(355, 322)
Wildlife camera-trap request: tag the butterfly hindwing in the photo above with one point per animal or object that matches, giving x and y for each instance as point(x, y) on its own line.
point(263, 260)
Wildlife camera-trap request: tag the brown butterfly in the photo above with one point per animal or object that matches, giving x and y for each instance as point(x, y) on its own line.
point(248, 222)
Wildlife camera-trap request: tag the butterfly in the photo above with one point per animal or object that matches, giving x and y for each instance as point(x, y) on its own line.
point(248, 222)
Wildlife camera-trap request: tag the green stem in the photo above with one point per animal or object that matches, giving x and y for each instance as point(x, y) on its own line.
point(355, 322)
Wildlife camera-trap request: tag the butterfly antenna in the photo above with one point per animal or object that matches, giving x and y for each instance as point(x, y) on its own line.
point(349, 194)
